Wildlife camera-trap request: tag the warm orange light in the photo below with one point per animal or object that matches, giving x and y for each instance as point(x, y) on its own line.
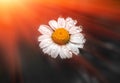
point(8, 9)
point(9, 2)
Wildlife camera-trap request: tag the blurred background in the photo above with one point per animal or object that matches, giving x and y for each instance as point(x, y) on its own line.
point(22, 61)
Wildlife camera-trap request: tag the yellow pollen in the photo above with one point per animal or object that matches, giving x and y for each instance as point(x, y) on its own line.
point(61, 36)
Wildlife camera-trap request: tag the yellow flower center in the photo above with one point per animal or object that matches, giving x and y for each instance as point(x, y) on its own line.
point(61, 36)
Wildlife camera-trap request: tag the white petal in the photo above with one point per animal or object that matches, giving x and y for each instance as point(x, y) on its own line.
point(61, 54)
point(55, 50)
point(67, 52)
point(75, 29)
point(44, 29)
point(77, 38)
point(77, 45)
point(69, 19)
point(78, 35)
point(80, 45)
point(53, 24)
point(70, 23)
point(42, 37)
point(61, 22)
point(46, 42)
point(48, 49)
point(73, 48)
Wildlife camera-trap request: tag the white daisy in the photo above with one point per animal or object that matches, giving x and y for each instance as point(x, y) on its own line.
point(62, 38)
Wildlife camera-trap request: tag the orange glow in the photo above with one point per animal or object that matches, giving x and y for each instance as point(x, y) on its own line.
point(9, 2)
point(20, 19)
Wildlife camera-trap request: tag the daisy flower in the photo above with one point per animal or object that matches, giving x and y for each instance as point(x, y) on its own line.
point(61, 38)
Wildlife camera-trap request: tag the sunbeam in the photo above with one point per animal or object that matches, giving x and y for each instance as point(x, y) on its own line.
point(19, 22)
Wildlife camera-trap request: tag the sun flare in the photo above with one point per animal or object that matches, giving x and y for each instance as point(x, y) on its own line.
point(9, 2)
